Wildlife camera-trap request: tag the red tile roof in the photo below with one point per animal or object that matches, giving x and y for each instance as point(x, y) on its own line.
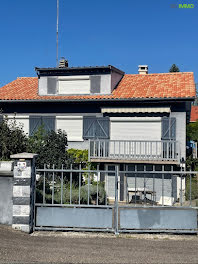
point(159, 85)
point(194, 114)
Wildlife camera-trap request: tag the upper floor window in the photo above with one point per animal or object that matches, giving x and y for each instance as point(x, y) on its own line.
point(48, 123)
point(96, 127)
point(168, 128)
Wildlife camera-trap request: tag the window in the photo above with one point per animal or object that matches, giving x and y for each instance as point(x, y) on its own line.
point(168, 128)
point(48, 123)
point(95, 127)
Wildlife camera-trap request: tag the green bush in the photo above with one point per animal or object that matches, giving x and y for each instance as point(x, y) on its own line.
point(77, 156)
point(50, 146)
point(13, 140)
point(74, 196)
point(194, 188)
point(192, 131)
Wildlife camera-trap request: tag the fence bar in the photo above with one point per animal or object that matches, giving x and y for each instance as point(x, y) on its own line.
point(53, 186)
point(129, 149)
point(135, 184)
point(172, 194)
point(181, 199)
point(106, 185)
point(97, 183)
point(144, 187)
point(80, 175)
point(71, 185)
point(138, 172)
point(88, 187)
point(190, 190)
point(62, 186)
point(116, 201)
point(162, 185)
point(154, 185)
point(94, 149)
point(44, 185)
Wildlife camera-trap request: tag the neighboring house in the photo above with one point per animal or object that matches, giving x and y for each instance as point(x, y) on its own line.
point(123, 119)
point(194, 114)
point(192, 145)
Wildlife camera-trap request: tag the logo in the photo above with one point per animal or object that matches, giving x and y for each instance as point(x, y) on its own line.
point(189, 6)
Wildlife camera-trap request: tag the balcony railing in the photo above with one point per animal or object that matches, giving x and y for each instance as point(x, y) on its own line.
point(134, 150)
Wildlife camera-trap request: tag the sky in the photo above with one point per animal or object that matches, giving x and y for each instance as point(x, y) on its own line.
point(122, 33)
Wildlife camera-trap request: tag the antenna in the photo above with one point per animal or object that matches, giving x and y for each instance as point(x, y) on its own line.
point(57, 33)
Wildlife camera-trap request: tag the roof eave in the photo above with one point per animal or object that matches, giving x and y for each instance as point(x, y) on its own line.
point(101, 100)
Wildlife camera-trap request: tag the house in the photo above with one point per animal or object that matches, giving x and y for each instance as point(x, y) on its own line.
point(132, 121)
point(194, 114)
point(192, 145)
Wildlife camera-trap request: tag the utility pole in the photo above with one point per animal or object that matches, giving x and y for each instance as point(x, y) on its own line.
point(57, 33)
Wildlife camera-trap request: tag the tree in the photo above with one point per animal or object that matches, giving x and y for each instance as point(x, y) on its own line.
point(13, 140)
point(50, 146)
point(192, 131)
point(174, 68)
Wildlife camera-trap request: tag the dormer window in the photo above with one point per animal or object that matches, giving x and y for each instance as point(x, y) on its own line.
point(74, 85)
point(78, 81)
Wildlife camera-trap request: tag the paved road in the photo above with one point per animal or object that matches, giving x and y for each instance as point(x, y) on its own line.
point(42, 247)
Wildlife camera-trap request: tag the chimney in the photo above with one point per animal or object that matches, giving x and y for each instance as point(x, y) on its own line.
point(63, 63)
point(143, 69)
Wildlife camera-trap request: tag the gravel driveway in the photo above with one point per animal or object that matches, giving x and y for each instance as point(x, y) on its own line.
point(71, 247)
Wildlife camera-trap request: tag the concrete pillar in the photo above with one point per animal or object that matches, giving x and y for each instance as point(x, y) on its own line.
point(23, 191)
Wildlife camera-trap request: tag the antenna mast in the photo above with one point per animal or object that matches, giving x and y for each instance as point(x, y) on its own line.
point(57, 34)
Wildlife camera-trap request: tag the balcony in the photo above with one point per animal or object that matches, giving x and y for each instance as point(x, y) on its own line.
point(158, 152)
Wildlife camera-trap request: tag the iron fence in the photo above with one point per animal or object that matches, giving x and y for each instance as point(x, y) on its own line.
point(113, 195)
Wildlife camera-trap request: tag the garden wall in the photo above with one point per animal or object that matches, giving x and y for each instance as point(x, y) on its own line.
point(6, 187)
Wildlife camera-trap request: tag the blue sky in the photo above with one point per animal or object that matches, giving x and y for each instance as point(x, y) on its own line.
point(123, 33)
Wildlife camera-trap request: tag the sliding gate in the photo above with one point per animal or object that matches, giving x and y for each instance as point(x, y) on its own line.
point(74, 199)
point(89, 200)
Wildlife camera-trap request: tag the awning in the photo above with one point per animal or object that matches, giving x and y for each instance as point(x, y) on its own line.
point(135, 109)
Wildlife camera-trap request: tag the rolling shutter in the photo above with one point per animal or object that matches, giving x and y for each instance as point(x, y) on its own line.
point(48, 123)
point(168, 128)
point(94, 127)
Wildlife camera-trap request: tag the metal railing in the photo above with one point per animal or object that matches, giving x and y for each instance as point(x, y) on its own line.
point(163, 150)
point(85, 186)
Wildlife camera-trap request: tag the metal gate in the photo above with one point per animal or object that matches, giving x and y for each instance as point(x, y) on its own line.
point(87, 199)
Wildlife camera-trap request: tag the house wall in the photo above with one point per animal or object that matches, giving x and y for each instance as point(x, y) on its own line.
point(94, 108)
point(6, 184)
point(115, 79)
point(6, 187)
point(181, 131)
point(21, 120)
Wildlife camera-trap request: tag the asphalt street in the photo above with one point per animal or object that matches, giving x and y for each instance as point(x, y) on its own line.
point(63, 247)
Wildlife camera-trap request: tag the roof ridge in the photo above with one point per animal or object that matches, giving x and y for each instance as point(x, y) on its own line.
point(160, 73)
point(26, 77)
